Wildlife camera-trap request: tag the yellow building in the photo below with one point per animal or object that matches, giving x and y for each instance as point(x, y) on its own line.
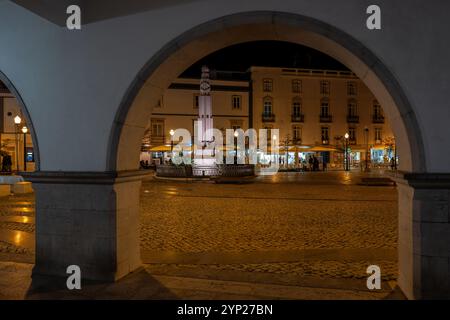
point(316, 108)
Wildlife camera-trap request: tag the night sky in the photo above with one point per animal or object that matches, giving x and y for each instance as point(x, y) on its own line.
point(240, 57)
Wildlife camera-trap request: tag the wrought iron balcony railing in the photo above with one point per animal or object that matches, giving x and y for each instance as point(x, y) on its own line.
point(268, 117)
point(298, 118)
point(352, 119)
point(377, 119)
point(325, 118)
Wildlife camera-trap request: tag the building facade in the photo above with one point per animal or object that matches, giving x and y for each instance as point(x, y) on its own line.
point(15, 138)
point(312, 109)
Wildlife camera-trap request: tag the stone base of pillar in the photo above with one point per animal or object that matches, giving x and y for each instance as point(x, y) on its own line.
point(424, 235)
point(87, 219)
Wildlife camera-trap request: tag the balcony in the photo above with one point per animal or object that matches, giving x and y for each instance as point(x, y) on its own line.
point(298, 118)
point(352, 119)
point(325, 118)
point(377, 118)
point(268, 117)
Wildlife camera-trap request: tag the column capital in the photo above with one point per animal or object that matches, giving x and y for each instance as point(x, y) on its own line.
point(75, 177)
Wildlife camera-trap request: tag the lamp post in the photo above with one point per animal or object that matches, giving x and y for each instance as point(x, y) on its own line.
point(17, 121)
point(347, 167)
point(171, 132)
point(274, 138)
point(366, 137)
point(24, 130)
point(236, 134)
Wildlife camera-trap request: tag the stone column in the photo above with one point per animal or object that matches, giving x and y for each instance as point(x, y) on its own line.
point(87, 219)
point(424, 235)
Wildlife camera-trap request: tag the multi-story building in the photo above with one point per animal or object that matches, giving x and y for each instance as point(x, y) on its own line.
point(316, 108)
point(312, 109)
point(14, 142)
point(178, 108)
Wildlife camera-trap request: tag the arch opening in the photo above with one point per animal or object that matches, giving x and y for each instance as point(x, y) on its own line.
point(132, 118)
point(18, 137)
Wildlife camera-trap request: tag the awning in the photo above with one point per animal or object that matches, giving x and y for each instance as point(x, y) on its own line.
point(163, 148)
point(323, 149)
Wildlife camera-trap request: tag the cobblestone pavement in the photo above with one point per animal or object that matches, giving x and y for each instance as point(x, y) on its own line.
point(280, 219)
point(317, 226)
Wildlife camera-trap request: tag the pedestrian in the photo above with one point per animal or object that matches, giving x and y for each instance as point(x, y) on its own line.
point(392, 164)
point(324, 165)
point(311, 163)
point(316, 164)
point(6, 163)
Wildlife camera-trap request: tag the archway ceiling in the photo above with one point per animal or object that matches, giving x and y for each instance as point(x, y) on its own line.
point(55, 10)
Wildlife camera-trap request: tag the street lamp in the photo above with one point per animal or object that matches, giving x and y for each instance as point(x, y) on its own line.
point(346, 162)
point(24, 130)
point(17, 121)
point(236, 135)
point(171, 139)
point(366, 137)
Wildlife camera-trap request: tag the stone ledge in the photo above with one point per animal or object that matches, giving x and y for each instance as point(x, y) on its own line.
point(422, 180)
point(65, 177)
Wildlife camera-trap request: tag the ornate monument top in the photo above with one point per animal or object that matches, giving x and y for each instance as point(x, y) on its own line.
point(205, 86)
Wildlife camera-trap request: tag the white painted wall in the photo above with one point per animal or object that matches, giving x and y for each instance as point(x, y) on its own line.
point(73, 82)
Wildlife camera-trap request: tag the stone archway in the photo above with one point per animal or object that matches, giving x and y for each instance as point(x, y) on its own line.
point(99, 227)
point(194, 44)
point(180, 53)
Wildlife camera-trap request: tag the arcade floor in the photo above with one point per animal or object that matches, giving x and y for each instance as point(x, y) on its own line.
point(288, 236)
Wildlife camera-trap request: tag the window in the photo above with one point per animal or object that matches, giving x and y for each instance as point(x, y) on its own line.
point(378, 135)
point(297, 107)
point(296, 133)
point(351, 88)
point(324, 107)
point(236, 102)
point(352, 108)
point(296, 86)
point(267, 85)
point(377, 111)
point(157, 128)
point(267, 106)
point(352, 134)
point(196, 101)
point(325, 135)
point(325, 87)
